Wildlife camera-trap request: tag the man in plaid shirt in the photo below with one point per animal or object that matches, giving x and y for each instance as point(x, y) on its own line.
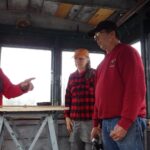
point(80, 100)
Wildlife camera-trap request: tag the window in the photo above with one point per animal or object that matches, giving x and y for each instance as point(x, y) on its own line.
point(96, 59)
point(137, 46)
point(19, 64)
point(68, 66)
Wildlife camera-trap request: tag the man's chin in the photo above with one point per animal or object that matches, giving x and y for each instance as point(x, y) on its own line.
point(101, 46)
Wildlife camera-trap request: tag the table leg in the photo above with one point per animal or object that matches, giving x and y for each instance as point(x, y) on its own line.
point(52, 133)
point(12, 134)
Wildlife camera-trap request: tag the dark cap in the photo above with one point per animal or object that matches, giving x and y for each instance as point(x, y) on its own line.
point(103, 25)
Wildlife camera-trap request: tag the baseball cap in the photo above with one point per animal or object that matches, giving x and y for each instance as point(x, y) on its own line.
point(103, 25)
point(81, 52)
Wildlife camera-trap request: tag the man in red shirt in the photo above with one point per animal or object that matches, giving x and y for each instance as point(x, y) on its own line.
point(10, 90)
point(120, 106)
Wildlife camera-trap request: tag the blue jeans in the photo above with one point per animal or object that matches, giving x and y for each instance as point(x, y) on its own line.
point(134, 140)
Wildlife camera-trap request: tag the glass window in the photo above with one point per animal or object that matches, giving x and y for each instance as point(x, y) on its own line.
point(68, 66)
point(19, 64)
point(96, 59)
point(137, 46)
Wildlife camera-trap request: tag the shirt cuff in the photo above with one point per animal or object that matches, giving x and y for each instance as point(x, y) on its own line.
point(125, 123)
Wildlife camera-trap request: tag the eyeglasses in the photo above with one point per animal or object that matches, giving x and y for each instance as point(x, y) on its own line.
point(98, 34)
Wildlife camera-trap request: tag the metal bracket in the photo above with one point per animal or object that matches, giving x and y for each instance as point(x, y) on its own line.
point(48, 120)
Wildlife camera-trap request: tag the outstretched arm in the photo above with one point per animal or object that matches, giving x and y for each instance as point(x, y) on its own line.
point(27, 85)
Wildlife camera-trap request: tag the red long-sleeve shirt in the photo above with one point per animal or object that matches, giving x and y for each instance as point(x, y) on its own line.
point(80, 96)
point(8, 89)
point(120, 87)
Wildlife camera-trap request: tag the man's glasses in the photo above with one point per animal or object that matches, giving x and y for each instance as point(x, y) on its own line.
point(98, 34)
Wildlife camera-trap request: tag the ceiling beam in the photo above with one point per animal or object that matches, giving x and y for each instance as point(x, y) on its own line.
point(119, 4)
point(132, 11)
point(43, 21)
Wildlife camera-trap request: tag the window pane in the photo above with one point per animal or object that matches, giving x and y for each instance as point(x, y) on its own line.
point(68, 66)
point(19, 64)
point(137, 46)
point(96, 59)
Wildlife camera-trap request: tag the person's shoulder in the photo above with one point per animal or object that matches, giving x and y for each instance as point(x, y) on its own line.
point(128, 52)
point(123, 46)
point(92, 69)
point(73, 74)
point(126, 48)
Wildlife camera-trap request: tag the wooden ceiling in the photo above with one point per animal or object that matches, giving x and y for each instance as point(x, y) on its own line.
point(70, 15)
